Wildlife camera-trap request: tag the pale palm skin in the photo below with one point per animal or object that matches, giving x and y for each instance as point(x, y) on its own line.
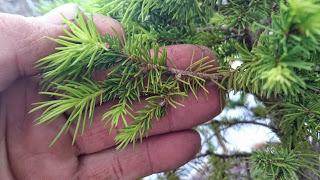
point(24, 150)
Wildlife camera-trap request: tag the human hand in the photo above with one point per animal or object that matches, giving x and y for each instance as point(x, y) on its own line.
point(24, 147)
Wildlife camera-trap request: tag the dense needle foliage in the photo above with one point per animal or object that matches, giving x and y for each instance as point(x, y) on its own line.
point(134, 72)
point(276, 42)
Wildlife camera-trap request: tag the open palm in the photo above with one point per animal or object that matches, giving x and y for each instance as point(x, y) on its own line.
point(24, 147)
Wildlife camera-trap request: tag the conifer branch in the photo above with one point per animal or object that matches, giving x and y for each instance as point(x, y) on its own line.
point(185, 73)
point(207, 68)
point(225, 156)
point(277, 43)
point(133, 72)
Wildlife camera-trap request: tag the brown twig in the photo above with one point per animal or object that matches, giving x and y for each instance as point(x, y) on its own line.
point(215, 76)
point(231, 123)
point(179, 72)
point(224, 156)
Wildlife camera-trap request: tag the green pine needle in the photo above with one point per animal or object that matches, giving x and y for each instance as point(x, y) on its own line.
point(76, 98)
point(80, 49)
point(142, 123)
point(282, 163)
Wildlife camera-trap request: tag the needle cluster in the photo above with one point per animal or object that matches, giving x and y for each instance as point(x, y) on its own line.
point(134, 73)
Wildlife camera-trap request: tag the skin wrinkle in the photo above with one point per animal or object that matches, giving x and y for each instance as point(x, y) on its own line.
point(33, 37)
point(25, 127)
point(117, 167)
point(36, 39)
point(149, 157)
point(28, 158)
point(87, 173)
point(4, 25)
point(5, 169)
point(27, 104)
point(19, 127)
point(7, 70)
point(75, 174)
point(21, 71)
point(11, 24)
point(170, 120)
point(43, 155)
point(2, 120)
point(82, 139)
point(21, 124)
point(11, 170)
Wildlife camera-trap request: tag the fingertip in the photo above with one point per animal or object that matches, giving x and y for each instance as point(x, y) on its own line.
point(105, 24)
point(108, 25)
point(155, 154)
point(173, 150)
point(182, 55)
point(68, 11)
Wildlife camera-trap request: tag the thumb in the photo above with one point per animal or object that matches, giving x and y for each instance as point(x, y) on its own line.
point(106, 25)
point(23, 40)
point(55, 16)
